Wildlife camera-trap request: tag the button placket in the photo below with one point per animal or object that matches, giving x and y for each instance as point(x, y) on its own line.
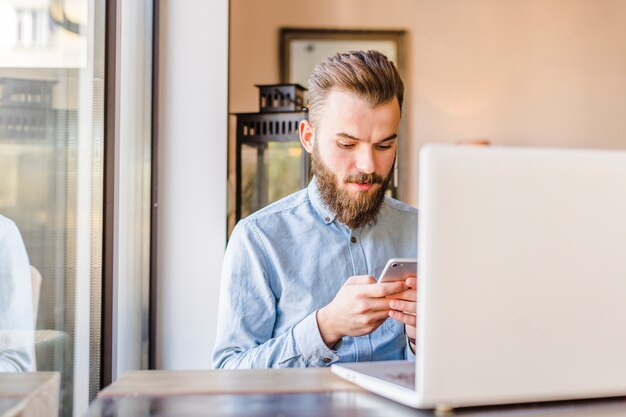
point(359, 263)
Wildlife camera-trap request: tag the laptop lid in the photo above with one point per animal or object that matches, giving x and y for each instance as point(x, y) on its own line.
point(522, 275)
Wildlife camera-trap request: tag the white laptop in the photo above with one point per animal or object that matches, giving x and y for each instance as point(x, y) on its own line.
point(521, 280)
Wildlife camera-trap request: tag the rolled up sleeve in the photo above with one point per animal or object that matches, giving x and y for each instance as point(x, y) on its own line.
point(310, 344)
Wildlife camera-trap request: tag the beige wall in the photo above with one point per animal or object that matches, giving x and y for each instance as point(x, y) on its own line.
point(517, 72)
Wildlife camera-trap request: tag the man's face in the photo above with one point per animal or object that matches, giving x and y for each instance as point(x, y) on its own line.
point(354, 147)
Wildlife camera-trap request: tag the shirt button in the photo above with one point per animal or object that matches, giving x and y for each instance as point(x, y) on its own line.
point(327, 219)
point(353, 239)
point(326, 360)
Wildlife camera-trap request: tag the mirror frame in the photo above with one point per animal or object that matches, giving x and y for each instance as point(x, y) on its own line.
point(287, 35)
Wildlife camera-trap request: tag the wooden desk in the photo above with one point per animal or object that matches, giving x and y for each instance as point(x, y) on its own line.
point(290, 392)
point(30, 394)
point(256, 381)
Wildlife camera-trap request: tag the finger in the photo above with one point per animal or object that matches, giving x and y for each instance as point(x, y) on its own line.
point(409, 295)
point(411, 282)
point(367, 305)
point(403, 306)
point(383, 289)
point(379, 315)
point(360, 279)
point(408, 319)
point(373, 318)
point(410, 331)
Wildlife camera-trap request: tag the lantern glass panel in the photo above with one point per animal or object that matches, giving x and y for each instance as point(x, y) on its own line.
point(270, 172)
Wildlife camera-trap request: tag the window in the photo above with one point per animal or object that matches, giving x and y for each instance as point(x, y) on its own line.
point(52, 180)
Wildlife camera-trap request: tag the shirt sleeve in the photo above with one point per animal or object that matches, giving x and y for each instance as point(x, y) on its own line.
point(16, 308)
point(408, 353)
point(247, 314)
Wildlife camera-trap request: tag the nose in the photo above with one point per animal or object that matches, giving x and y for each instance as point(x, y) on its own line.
point(365, 161)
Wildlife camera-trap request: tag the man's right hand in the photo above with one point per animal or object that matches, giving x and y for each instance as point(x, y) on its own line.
point(359, 308)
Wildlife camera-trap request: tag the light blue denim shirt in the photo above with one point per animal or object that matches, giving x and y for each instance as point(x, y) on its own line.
point(288, 260)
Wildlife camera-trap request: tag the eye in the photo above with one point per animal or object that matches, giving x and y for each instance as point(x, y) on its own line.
point(343, 145)
point(383, 147)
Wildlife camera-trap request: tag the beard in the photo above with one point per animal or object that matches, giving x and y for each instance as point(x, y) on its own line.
point(353, 211)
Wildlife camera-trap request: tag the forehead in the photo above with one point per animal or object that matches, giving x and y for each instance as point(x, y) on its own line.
point(345, 112)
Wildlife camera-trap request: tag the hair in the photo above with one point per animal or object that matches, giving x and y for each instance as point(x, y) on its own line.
point(367, 74)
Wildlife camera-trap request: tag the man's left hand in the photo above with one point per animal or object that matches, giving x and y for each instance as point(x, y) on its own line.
point(403, 307)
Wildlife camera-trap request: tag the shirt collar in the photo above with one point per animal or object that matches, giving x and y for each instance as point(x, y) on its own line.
point(318, 204)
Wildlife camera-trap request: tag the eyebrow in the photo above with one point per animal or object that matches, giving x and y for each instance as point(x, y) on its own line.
point(347, 136)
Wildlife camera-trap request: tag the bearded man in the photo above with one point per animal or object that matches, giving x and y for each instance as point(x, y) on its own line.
point(298, 286)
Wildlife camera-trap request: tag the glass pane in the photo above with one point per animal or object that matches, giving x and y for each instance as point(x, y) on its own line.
point(51, 161)
point(269, 173)
point(283, 169)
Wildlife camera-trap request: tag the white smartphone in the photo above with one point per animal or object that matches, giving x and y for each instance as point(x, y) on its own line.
point(398, 269)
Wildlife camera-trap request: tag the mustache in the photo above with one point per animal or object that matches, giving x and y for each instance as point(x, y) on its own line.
point(372, 178)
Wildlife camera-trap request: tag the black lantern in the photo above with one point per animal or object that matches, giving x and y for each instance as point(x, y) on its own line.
point(270, 162)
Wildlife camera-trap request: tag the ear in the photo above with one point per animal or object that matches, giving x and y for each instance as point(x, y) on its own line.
point(307, 135)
